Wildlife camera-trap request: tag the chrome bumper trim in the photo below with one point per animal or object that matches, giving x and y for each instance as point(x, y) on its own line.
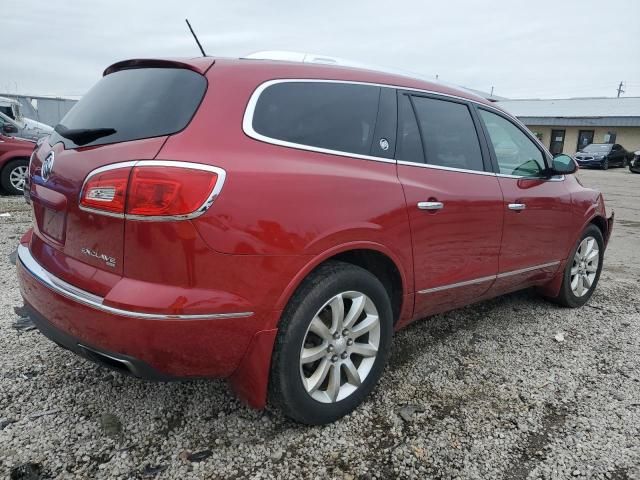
point(74, 293)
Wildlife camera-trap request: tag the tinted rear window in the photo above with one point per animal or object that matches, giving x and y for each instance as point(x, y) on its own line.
point(137, 103)
point(334, 116)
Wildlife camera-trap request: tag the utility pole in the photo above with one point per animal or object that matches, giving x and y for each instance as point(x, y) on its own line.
point(491, 91)
point(620, 90)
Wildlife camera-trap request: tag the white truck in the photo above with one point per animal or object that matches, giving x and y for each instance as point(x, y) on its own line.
point(13, 123)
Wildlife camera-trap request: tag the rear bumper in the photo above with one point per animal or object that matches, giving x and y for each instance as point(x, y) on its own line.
point(147, 345)
point(115, 361)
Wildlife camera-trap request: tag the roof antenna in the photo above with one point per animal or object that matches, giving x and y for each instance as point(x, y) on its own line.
point(196, 38)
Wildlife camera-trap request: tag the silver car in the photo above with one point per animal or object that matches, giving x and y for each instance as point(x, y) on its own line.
point(23, 128)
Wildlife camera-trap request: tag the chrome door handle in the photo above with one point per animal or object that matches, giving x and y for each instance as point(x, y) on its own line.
point(517, 206)
point(430, 205)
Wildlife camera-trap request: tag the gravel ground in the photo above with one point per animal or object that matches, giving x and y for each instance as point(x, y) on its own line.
point(510, 388)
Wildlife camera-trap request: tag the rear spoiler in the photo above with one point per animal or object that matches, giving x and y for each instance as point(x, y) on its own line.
point(199, 65)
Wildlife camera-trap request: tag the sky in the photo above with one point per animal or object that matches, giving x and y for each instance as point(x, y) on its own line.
point(523, 49)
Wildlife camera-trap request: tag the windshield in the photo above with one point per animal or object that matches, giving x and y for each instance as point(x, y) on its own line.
point(597, 148)
point(131, 105)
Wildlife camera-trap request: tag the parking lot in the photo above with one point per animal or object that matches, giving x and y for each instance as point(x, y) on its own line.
point(510, 388)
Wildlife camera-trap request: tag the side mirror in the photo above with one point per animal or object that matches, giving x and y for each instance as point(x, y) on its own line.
point(563, 165)
point(8, 128)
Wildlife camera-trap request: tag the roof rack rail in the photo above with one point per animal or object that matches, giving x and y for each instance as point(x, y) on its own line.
point(305, 57)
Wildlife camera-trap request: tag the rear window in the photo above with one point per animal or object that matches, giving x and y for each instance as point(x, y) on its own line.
point(333, 116)
point(595, 148)
point(131, 105)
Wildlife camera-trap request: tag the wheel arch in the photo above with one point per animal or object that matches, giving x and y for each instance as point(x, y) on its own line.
point(10, 157)
point(371, 256)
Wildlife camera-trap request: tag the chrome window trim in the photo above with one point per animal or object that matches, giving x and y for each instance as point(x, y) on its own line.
point(555, 178)
point(94, 301)
point(247, 122)
point(488, 278)
point(449, 169)
point(221, 173)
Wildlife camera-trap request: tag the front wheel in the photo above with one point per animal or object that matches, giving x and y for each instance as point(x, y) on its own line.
point(605, 165)
point(333, 342)
point(583, 268)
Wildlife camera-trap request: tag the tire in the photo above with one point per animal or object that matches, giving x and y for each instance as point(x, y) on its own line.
point(625, 162)
point(10, 173)
point(605, 165)
point(339, 283)
point(568, 297)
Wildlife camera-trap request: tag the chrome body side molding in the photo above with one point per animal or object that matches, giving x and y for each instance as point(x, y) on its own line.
point(489, 278)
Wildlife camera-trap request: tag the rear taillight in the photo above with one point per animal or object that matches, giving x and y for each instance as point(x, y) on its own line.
point(106, 190)
point(152, 189)
point(168, 190)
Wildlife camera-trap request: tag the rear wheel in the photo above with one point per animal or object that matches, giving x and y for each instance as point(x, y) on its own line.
point(332, 345)
point(13, 176)
point(583, 268)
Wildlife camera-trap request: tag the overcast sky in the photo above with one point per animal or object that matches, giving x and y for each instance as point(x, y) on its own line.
point(524, 49)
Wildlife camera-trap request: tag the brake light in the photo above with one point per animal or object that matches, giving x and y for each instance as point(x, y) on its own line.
point(168, 190)
point(152, 188)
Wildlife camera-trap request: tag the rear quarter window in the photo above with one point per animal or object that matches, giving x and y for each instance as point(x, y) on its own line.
point(136, 103)
point(326, 115)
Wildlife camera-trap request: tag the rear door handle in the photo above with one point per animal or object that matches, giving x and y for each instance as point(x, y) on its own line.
point(517, 206)
point(430, 205)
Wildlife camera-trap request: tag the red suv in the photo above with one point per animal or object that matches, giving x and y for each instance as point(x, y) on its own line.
point(14, 160)
point(274, 222)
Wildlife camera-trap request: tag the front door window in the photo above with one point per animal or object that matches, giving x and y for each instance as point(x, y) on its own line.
point(515, 152)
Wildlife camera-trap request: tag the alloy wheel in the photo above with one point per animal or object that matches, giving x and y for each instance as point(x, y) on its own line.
point(17, 177)
point(585, 266)
point(340, 347)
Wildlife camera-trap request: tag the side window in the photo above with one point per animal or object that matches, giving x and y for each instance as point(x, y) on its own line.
point(448, 134)
point(409, 145)
point(335, 116)
point(515, 152)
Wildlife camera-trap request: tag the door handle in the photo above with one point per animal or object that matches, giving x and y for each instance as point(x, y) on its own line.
point(517, 206)
point(430, 205)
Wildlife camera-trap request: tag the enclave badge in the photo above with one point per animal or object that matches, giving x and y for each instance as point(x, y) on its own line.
point(47, 166)
point(110, 261)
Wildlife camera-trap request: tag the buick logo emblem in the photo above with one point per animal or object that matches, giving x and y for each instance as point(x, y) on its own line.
point(47, 166)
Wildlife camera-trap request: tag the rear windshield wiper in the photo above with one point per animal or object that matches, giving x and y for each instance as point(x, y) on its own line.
point(83, 136)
